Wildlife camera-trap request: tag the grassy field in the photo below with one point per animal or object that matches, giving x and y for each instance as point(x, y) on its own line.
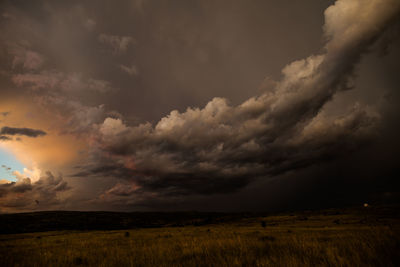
point(316, 239)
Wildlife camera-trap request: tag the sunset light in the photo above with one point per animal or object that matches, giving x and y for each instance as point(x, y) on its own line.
point(243, 132)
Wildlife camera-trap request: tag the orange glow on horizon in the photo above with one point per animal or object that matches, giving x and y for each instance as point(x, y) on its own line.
point(52, 151)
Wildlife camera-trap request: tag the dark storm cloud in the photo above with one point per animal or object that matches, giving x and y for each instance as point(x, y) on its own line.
point(208, 158)
point(222, 148)
point(22, 131)
point(104, 69)
point(24, 193)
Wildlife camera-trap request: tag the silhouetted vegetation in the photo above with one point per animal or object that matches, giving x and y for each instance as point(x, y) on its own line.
point(84, 221)
point(263, 224)
point(289, 240)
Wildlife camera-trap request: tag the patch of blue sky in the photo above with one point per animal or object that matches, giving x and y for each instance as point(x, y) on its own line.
point(9, 164)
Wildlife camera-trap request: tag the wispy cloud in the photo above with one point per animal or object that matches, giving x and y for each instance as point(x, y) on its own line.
point(132, 70)
point(59, 81)
point(119, 44)
point(22, 131)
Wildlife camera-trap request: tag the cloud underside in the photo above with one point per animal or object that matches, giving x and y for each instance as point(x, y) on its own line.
point(222, 148)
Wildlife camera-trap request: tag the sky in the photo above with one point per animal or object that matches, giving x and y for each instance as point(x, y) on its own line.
point(9, 165)
point(141, 105)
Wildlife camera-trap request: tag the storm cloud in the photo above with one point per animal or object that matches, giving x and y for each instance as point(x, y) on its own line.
point(26, 194)
point(222, 148)
point(169, 104)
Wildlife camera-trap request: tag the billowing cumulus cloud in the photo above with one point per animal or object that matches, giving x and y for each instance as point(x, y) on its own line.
point(222, 148)
point(168, 103)
point(26, 194)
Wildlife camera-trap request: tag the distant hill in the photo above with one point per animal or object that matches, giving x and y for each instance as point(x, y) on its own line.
point(77, 220)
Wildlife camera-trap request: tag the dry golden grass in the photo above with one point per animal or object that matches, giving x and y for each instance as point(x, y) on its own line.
point(336, 240)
